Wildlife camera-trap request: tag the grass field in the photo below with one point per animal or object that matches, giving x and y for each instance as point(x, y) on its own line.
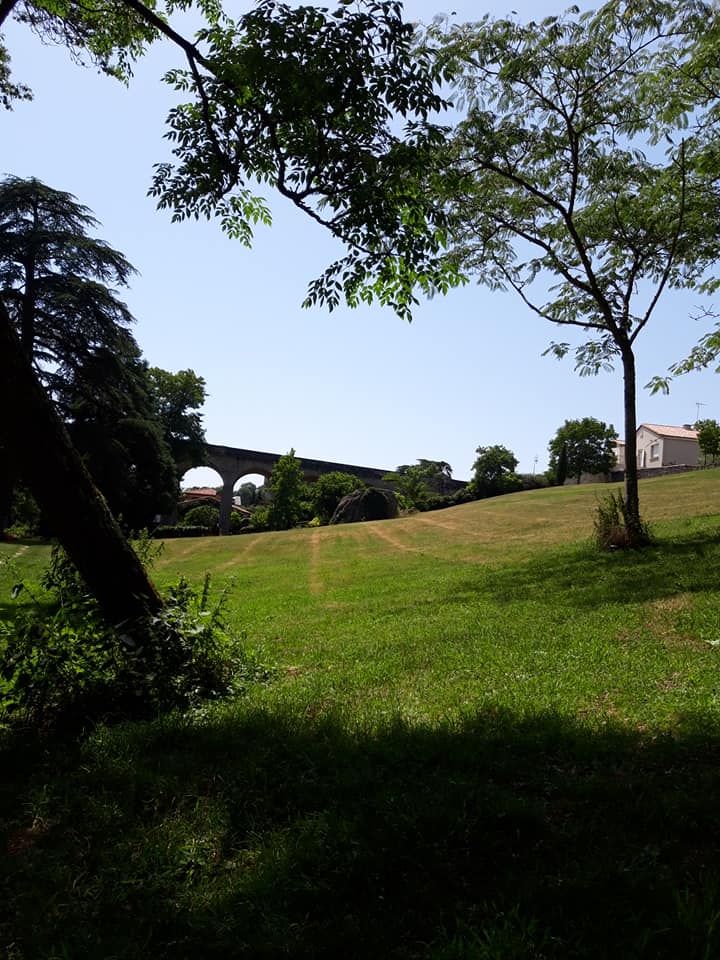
point(483, 740)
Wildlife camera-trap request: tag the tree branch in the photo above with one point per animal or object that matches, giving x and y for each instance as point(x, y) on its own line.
point(541, 312)
point(548, 200)
point(151, 18)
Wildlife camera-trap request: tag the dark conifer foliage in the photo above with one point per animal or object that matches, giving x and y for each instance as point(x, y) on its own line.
point(57, 281)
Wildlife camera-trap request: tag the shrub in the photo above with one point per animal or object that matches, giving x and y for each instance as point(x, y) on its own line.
point(462, 496)
point(166, 532)
point(537, 481)
point(238, 522)
point(438, 501)
point(61, 662)
point(611, 527)
point(329, 489)
point(260, 519)
point(203, 516)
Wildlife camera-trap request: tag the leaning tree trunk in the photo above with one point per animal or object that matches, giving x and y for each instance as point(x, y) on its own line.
point(41, 450)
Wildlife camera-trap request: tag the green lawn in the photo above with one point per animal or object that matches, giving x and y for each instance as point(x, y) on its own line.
point(484, 740)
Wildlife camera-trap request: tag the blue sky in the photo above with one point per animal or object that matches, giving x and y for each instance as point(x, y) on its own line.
point(356, 386)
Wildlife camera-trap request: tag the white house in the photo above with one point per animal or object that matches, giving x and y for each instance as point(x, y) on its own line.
point(662, 446)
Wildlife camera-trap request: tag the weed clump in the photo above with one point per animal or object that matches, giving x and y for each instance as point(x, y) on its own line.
point(614, 529)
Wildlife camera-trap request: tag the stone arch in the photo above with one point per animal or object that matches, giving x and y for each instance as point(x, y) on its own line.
point(258, 480)
point(196, 477)
point(232, 463)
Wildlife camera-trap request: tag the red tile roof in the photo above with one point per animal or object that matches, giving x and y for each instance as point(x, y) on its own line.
point(199, 492)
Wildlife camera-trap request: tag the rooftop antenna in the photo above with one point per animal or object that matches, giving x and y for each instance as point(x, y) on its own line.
point(698, 404)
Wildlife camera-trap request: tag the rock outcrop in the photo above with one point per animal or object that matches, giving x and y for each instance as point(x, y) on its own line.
point(369, 504)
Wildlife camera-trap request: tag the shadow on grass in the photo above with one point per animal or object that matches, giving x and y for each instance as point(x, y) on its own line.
point(268, 837)
point(585, 577)
point(9, 611)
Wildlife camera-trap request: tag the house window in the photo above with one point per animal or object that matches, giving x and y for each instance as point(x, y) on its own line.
point(654, 451)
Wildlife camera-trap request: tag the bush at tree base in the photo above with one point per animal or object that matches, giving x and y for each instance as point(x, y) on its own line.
point(61, 664)
point(612, 528)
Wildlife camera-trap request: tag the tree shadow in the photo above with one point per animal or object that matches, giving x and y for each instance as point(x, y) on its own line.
point(12, 609)
point(584, 577)
point(270, 836)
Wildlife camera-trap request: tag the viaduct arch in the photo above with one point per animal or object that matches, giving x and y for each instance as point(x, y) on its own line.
point(232, 463)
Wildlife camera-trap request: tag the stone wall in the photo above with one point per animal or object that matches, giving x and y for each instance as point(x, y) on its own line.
point(646, 473)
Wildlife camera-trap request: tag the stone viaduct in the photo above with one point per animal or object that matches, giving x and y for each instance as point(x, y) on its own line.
point(233, 463)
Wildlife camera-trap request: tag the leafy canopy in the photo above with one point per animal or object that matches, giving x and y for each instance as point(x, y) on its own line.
point(554, 187)
point(329, 489)
point(109, 34)
point(314, 103)
point(588, 445)
point(178, 398)
point(334, 109)
point(57, 280)
point(494, 472)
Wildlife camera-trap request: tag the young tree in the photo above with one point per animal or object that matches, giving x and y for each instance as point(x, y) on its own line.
point(587, 445)
point(555, 188)
point(494, 472)
point(709, 438)
point(415, 482)
point(289, 493)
